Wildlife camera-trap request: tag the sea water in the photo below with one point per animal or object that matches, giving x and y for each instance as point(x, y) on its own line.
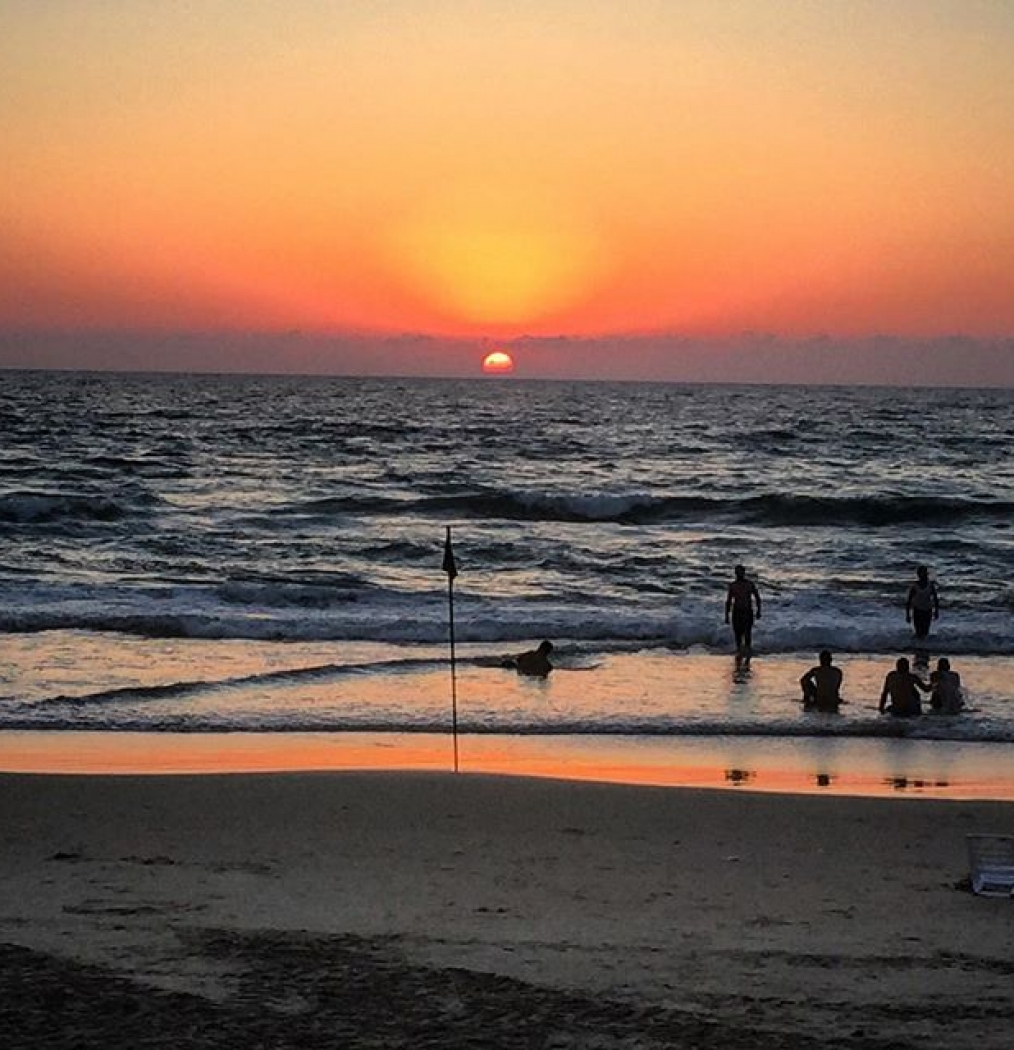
point(210, 553)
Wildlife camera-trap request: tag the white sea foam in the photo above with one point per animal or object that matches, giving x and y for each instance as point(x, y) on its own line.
point(282, 613)
point(587, 506)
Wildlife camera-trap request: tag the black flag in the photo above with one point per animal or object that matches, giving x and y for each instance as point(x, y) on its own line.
point(449, 566)
point(452, 570)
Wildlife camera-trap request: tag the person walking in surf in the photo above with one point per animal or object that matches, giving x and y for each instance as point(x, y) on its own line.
point(740, 600)
point(923, 603)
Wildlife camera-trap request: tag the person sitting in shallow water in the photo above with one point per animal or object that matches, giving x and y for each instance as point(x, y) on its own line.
point(535, 662)
point(822, 685)
point(902, 688)
point(946, 684)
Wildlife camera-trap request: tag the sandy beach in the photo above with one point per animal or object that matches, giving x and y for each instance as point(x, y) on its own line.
point(407, 909)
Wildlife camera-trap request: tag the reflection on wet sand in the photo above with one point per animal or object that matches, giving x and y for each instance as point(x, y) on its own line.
point(915, 784)
point(739, 776)
point(841, 767)
point(741, 670)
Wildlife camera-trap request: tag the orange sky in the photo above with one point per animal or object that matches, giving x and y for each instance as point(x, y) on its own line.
point(486, 169)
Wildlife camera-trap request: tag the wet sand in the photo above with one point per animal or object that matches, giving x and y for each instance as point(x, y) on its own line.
point(886, 767)
point(423, 909)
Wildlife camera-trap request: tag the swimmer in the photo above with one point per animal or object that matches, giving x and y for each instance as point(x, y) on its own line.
point(535, 662)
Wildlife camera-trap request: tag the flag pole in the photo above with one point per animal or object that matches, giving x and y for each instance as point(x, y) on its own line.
point(452, 570)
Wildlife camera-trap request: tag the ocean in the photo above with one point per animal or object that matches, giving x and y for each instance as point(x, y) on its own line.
point(229, 553)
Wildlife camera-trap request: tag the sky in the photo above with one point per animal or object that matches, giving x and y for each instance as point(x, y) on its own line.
point(804, 190)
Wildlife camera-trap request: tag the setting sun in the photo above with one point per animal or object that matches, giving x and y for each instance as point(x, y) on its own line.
point(498, 363)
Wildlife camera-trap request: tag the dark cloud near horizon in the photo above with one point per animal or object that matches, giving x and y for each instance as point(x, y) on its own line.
point(746, 358)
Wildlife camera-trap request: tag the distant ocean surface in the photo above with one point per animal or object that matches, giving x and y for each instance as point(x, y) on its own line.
point(174, 549)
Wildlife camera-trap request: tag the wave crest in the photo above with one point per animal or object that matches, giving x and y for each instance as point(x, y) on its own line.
point(646, 508)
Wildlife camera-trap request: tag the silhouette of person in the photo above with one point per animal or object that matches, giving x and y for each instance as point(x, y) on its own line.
point(740, 600)
point(902, 688)
point(946, 684)
point(822, 685)
point(923, 603)
point(535, 662)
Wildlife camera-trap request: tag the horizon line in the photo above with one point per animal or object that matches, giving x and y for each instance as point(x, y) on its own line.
point(761, 334)
point(497, 378)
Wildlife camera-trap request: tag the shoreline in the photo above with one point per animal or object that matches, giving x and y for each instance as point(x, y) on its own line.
point(660, 917)
point(68, 681)
point(822, 765)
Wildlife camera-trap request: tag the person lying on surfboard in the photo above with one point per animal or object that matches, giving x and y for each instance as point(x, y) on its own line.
point(535, 662)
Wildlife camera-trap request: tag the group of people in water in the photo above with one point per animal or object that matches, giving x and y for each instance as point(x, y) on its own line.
point(743, 607)
point(821, 685)
point(900, 696)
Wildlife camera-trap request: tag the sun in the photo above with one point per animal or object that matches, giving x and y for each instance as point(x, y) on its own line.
point(499, 362)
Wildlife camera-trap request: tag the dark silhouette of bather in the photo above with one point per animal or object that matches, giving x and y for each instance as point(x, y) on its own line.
point(740, 601)
point(535, 662)
point(923, 603)
point(822, 685)
point(946, 697)
point(902, 688)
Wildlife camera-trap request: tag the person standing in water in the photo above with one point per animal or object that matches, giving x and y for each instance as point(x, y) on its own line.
point(740, 601)
point(923, 603)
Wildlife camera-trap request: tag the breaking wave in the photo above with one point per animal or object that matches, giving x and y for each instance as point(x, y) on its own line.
point(644, 508)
